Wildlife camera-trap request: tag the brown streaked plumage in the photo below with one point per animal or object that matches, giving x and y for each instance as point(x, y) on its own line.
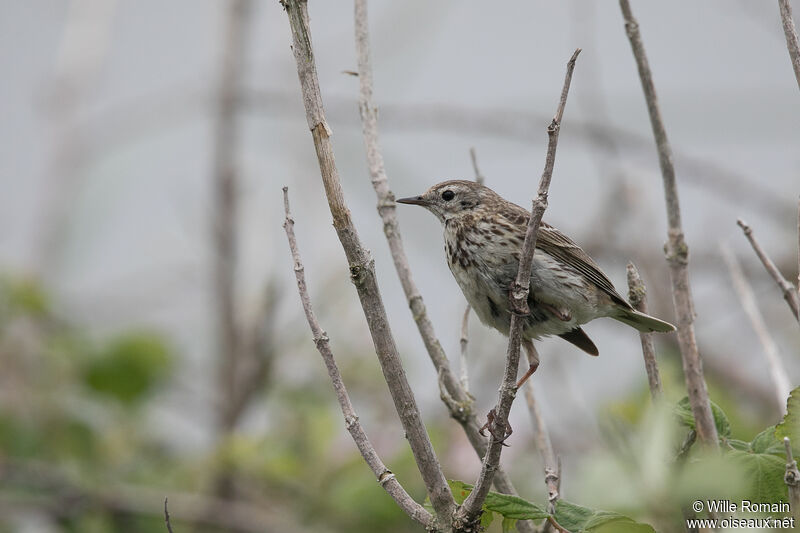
point(483, 236)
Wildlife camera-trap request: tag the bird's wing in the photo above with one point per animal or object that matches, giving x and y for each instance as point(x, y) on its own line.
point(561, 247)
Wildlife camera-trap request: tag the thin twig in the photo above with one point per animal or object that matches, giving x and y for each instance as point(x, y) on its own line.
point(455, 394)
point(387, 211)
point(465, 320)
point(790, 294)
point(798, 248)
point(166, 516)
point(792, 479)
point(780, 378)
point(471, 507)
point(552, 477)
point(385, 476)
point(677, 251)
point(791, 36)
point(464, 341)
point(637, 295)
point(362, 269)
point(474, 158)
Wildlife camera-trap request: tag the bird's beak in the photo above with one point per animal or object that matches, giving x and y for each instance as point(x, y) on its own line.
point(413, 200)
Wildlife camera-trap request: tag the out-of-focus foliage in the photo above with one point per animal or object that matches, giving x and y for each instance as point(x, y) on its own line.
point(128, 367)
point(575, 518)
point(74, 432)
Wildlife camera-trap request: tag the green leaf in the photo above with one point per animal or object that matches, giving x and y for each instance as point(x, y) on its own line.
point(684, 413)
point(739, 445)
point(765, 473)
point(765, 442)
point(790, 426)
point(504, 504)
point(573, 517)
point(578, 519)
point(129, 367)
point(486, 519)
point(508, 524)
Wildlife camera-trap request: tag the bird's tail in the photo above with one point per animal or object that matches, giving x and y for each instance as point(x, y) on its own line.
point(642, 322)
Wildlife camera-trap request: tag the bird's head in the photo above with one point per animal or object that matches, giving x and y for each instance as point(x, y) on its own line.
point(452, 199)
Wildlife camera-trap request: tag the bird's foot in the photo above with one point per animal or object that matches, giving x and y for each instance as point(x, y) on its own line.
point(499, 434)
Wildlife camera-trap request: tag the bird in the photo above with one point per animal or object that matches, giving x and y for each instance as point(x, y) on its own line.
point(483, 236)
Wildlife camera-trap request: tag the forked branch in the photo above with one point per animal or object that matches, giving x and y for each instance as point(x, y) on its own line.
point(384, 476)
point(790, 294)
point(362, 269)
point(454, 392)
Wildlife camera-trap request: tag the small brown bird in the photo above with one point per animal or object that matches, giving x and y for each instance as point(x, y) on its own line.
point(483, 235)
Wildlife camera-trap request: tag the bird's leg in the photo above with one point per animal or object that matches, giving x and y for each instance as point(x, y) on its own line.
point(533, 361)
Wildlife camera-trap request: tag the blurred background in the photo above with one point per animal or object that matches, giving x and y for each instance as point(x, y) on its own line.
point(152, 342)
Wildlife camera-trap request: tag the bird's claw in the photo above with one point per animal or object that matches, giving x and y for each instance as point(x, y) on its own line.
point(499, 434)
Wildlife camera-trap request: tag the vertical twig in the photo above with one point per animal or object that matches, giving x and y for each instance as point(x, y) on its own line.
point(471, 507)
point(387, 206)
point(479, 178)
point(792, 479)
point(798, 249)
point(465, 320)
point(225, 211)
point(464, 341)
point(166, 516)
point(791, 36)
point(552, 474)
point(677, 251)
point(790, 294)
point(385, 476)
point(362, 269)
point(637, 295)
point(780, 379)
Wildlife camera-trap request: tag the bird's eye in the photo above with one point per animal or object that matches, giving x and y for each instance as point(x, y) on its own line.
point(448, 195)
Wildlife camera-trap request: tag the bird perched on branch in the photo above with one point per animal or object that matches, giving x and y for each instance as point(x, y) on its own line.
point(483, 235)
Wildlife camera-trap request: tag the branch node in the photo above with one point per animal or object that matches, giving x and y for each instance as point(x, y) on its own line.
point(386, 476)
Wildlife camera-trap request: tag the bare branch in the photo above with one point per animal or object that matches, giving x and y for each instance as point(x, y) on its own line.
point(464, 341)
point(791, 36)
point(385, 476)
point(166, 516)
point(478, 176)
point(637, 295)
point(677, 251)
point(780, 379)
point(792, 479)
point(518, 296)
point(552, 474)
point(387, 212)
point(465, 320)
point(455, 394)
point(798, 249)
point(362, 269)
point(225, 212)
point(790, 294)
